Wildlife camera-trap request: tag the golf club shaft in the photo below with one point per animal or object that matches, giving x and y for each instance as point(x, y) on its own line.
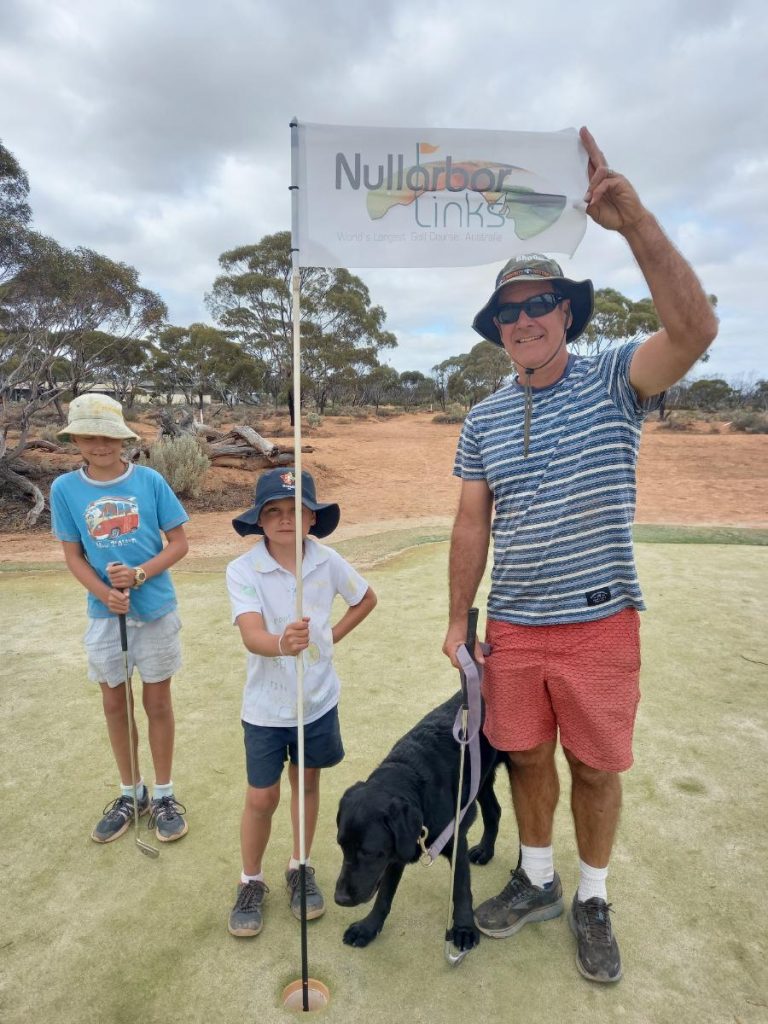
point(151, 851)
point(129, 711)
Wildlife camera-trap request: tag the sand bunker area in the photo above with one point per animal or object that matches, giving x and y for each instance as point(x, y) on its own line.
point(395, 473)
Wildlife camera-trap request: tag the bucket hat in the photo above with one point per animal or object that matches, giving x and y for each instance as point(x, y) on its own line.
point(537, 267)
point(97, 416)
point(281, 483)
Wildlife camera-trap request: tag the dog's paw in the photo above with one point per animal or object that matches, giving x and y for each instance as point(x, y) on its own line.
point(480, 854)
point(465, 937)
point(359, 934)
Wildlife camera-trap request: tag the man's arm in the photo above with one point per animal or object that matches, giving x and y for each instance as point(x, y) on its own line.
point(689, 323)
point(469, 553)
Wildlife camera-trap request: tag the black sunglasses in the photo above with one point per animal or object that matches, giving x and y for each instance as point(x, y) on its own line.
point(538, 305)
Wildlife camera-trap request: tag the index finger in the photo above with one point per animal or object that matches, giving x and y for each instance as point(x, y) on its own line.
point(595, 154)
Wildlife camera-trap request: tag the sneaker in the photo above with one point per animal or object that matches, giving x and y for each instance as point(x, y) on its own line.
point(117, 816)
point(166, 819)
point(315, 901)
point(597, 951)
point(519, 902)
point(245, 917)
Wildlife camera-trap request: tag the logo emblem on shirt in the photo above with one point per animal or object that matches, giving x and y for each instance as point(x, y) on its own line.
point(112, 517)
point(595, 597)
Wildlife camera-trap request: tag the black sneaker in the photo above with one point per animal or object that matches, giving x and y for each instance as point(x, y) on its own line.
point(597, 951)
point(315, 901)
point(166, 819)
point(117, 816)
point(519, 902)
point(245, 917)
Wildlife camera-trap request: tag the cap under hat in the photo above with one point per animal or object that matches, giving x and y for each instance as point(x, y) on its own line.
point(281, 483)
point(537, 267)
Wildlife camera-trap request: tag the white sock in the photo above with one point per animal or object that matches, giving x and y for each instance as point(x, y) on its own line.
point(538, 863)
point(128, 790)
point(245, 879)
point(592, 882)
point(158, 792)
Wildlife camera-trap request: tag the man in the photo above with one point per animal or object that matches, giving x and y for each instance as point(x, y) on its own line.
point(553, 452)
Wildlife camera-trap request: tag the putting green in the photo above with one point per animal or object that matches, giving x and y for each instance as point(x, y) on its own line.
point(102, 934)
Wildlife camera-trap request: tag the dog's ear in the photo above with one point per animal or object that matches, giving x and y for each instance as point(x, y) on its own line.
point(404, 821)
point(347, 793)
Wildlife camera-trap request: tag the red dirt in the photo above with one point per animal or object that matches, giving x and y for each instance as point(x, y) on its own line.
point(396, 472)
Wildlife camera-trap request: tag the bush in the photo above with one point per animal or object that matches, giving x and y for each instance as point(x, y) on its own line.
point(453, 414)
point(314, 419)
point(181, 461)
point(750, 422)
point(678, 421)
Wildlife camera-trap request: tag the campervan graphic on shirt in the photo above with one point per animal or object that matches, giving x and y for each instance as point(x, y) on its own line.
point(112, 517)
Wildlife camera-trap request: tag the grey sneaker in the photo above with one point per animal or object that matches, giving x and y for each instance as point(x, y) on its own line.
point(117, 816)
point(245, 918)
point(165, 818)
point(519, 902)
point(597, 951)
point(315, 901)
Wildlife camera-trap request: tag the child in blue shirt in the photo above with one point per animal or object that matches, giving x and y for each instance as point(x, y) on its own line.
point(110, 516)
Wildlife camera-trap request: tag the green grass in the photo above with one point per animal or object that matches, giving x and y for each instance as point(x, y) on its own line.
point(102, 934)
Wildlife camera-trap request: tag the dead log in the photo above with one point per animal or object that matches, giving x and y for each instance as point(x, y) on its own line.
point(20, 483)
point(47, 446)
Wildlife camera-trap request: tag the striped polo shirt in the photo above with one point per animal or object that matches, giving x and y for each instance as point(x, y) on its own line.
point(562, 525)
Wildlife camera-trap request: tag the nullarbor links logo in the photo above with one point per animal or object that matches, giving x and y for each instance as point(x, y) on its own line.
point(447, 195)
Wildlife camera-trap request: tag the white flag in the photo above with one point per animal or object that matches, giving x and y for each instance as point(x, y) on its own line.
point(435, 197)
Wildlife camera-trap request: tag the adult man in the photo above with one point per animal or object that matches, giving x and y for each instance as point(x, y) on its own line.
point(554, 453)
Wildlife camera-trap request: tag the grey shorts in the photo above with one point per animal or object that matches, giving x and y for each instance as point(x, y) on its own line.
point(154, 649)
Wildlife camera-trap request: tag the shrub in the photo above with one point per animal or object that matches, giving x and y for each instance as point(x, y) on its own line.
point(678, 421)
point(314, 419)
point(181, 461)
point(453, 414)
point(750, 422)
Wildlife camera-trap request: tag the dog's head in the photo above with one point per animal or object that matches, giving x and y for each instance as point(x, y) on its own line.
point(375, 829)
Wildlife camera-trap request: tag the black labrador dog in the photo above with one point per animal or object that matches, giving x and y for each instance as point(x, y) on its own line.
point(380, 821)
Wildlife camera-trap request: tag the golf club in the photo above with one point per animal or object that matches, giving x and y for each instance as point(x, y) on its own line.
point(452, 955)
point(145, 848)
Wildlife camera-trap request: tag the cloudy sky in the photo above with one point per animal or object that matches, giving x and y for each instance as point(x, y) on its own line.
point(156, 131)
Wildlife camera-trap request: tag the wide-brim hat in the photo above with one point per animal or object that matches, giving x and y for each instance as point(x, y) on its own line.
point(96, 416)
point(281, 483)
point(536, 267)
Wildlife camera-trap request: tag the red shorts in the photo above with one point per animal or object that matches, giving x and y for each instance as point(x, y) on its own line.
point(581, 678)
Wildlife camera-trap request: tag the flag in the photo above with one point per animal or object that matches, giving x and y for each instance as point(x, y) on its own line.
point(435, 197)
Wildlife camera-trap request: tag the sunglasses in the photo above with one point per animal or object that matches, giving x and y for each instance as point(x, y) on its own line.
point(534, 307)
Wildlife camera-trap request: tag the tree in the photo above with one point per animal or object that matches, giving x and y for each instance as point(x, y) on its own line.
point(710, 395)
point(415, 389)
point(379, 385)
point(252, 301)
point(15, 213)
point(196, 360)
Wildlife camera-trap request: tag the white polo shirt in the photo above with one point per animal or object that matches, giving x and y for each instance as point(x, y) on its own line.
point(257, 583)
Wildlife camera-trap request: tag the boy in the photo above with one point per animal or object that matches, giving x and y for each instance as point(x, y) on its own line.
point(109, 515)
point(262, 589)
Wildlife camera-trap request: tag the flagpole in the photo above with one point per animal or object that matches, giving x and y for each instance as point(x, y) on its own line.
point(296, 314)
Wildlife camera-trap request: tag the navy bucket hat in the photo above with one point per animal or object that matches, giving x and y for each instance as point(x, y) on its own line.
point(537, 267)
point(281, 483)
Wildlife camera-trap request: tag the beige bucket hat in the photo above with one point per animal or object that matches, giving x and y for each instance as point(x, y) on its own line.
point(97, 416)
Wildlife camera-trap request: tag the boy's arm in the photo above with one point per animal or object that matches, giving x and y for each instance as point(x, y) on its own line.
point(354, 615)
point(123, 575)
point(257, 640)
point(117, 602)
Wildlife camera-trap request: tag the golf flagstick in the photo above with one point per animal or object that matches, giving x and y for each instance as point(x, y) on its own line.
point(145, 848)
point(451, 955)
point(298, 518)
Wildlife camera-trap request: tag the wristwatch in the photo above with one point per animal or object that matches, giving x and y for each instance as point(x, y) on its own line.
point(139, 576)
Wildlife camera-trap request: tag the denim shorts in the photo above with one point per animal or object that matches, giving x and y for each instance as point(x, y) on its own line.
point(154, 649)
point(268, 747)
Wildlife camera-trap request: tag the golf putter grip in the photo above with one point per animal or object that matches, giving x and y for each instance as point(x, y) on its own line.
point(123, 633)
point(472, 616)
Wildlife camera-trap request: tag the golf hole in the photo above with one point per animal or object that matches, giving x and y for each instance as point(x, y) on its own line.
point(318, 995)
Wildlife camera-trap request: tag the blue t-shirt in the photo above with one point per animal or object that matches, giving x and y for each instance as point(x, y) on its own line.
point(562, 529)
point(120, 520)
